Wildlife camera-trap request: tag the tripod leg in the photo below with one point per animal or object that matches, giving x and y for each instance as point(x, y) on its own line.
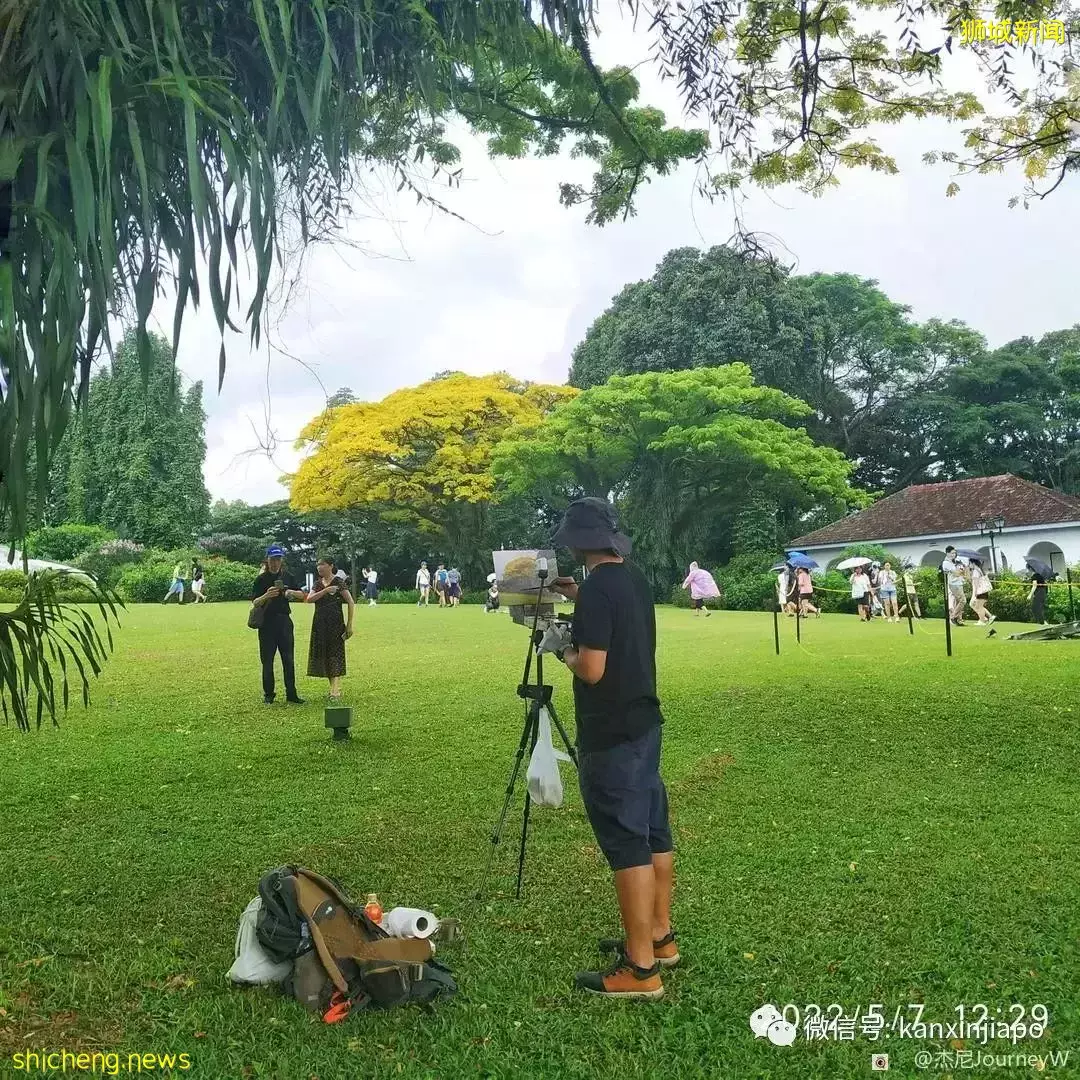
point(496, 834)
point(534, 724)
point(524, 834)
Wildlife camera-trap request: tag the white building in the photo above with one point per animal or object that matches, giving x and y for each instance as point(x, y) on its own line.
point(919, 522)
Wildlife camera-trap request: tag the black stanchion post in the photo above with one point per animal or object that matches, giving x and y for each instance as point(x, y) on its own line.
point(1068, 578)
point(948, 614)
point(910, 604)
point(798, 623)
point(776, 629)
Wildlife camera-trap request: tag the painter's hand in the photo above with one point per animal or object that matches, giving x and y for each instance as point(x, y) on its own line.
point(565, 586)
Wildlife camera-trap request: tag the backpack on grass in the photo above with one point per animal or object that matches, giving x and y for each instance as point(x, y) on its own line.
point(341, 959)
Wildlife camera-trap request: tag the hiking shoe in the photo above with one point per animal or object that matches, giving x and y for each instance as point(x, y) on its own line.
point(295, 700)
point(624, 980)
point(268, 699)
point(666, 950)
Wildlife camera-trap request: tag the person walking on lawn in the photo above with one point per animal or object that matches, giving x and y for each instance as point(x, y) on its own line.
point(702, 586)
point(177, 587)
point(612, 654)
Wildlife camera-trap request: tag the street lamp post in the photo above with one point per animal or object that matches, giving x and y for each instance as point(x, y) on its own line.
point(991, 527)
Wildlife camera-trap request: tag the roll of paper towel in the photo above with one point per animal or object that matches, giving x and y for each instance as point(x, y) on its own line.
point(409, 922)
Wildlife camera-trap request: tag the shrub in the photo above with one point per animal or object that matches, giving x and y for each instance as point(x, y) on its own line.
point(13, 587)
point(107, 561)
point(746, 582)
point(248, 550)
point(148, 581)
point(62, 543)
point(227, 580)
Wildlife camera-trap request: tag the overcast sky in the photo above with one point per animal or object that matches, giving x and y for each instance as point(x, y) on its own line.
point(515, 286)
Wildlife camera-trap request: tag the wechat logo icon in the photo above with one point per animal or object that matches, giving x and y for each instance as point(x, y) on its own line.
point(767, 1022)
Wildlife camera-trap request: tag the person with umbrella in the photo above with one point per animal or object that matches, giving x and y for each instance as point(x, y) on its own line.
point(954, 572)
point(805, 584)
point(702, 587)
point(492, 602)
point(784, 588)
point(1041, 574)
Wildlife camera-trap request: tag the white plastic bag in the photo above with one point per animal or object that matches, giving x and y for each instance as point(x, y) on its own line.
point(543, 779)
point(252, 965)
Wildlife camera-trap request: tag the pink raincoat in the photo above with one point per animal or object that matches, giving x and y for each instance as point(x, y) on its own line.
point(700, 583)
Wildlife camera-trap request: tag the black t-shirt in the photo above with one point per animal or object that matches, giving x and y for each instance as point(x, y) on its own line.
point(279, 606)
point(615, 613)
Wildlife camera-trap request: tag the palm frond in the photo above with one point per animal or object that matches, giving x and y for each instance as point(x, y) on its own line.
point(54, 640)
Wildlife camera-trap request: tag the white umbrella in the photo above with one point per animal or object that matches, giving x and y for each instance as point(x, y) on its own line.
point(491, 577)
point(850, 564)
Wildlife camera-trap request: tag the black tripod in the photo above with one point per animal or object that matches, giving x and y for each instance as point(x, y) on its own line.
point(537, 696)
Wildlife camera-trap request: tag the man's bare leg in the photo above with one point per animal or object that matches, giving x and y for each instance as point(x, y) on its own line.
point(636, 890)
point(663, 865)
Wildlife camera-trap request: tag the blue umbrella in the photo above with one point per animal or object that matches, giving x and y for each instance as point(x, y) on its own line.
point(798, 559)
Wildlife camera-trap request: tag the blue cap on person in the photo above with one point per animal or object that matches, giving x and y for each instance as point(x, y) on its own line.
point(274, 549)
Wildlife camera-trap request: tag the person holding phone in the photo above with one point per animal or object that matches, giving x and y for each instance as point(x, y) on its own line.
point(272, 591)
point(329, 629)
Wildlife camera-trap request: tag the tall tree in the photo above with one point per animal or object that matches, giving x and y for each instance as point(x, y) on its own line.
point(835, 341)
point(699, 309)
point(421, 456)
point(133, 460)
point(1016, 409)
point(682, 453)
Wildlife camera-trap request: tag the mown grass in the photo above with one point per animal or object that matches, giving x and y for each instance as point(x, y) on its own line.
point(859, 820)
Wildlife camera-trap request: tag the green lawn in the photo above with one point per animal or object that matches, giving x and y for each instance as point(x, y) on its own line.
point(859, 820)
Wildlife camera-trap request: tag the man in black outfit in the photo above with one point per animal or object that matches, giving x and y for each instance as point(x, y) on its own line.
point(272, 591)
point(613, 658)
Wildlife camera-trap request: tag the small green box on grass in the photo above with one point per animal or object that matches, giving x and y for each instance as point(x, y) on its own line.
point(339, 719)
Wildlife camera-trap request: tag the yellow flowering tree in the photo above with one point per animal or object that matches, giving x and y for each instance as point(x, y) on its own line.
point(421, 456)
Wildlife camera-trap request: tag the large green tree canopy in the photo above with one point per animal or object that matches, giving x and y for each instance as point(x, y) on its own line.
point(682, 453)
point(905, 401)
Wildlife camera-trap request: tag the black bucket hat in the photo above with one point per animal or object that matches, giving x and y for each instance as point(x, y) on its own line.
point(592, 525)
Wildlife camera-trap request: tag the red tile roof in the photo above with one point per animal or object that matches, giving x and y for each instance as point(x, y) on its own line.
point(949, 508)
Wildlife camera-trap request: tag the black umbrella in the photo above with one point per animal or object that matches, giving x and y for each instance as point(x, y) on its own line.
point(1041, 569)
point(970, 553)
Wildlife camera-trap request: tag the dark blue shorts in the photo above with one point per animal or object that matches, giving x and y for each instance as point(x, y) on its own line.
point(626, 800)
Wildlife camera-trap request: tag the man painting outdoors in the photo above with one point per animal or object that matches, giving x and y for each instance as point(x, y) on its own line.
point(177, 587)
point(272, 591)
point(613, 657)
